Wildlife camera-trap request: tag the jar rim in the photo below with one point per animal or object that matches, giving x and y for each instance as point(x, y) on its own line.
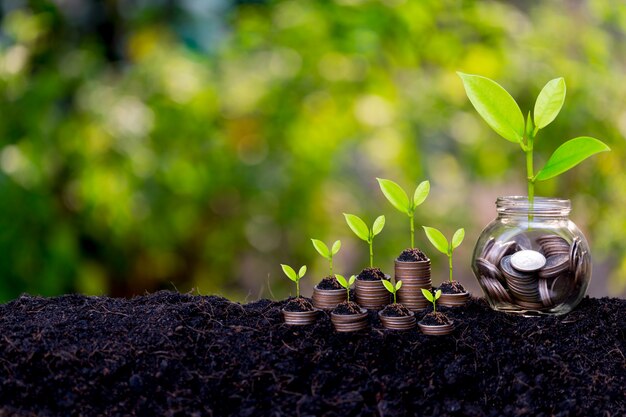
point(542, 206)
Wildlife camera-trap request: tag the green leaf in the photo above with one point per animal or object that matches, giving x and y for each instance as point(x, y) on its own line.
point(321, 248)
point(427, 294)
point(458, 237)
point(389, 286)
point(437, 238)
point(379, 223)
point(398, 285)
point(336, 247)
point(342, 281)
point(421, 192)
point(549, 102)
point(437, 295)
point(291, 274)
point(302, 271)
point(495, 105)
point(358, 226)
point(570, 154)
point(395, 194)
point(352, 279)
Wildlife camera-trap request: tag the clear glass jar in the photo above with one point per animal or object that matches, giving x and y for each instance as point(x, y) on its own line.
point(532, 260)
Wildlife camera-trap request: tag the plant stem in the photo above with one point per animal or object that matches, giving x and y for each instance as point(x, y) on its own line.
point(298, 289)
point(530, 173)
point(434, 306)
point(371, 254)
point(331, 266)
point(394, 297)
point(412, 232)
point(348, 294)
point(450, 263)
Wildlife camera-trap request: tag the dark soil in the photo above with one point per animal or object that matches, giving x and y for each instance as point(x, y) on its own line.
point(299, 304)
point(169, 354)
point(453, 287)
point(412, 255)
point(329, 283)
point(347, 307)
point(371, 274)
point(395, 310)
point(435, 319)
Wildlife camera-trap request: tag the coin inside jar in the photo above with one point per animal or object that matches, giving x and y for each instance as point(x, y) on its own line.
point(527, 260)
point(554, 266)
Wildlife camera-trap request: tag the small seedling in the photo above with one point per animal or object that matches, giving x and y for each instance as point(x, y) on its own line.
point(502, 113)
point(392, 289)
point(363, 232)
point(346, 284)
point(440, 242)
point(400, 199)
point(323, 250)
point(432, 297)
point(291, 274)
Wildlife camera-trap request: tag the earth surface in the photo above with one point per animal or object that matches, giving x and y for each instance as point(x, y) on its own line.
point(171, 354)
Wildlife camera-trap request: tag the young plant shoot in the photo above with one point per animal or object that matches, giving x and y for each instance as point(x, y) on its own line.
point(390, 287)
point(400, 200)
point(440, 242)
point(502, 113)
point(291, 274)
point(363, 232)
point(323, 250)
point(346, 284)
point(432, 297)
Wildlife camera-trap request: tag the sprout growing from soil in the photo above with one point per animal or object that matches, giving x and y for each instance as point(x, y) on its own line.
point(432, 297)
point(363, 232)
point(389, 286)
point(323, 250)
point(346, 284)
point(502, 113)
point(440, 242)
point(291, 274)
point(400, 200)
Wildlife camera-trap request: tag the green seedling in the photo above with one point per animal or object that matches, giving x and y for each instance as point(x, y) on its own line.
point(323, 250)
point(363, 232)
point(291, 274)
point(432, 297)
point(440, 242)
point(346, 284)
point(392, 289)
point(400, 199)
point(502, 113)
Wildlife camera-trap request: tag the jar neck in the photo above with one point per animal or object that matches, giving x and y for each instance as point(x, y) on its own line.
point(542, 207)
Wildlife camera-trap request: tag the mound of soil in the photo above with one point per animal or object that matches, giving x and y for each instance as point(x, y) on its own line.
point(371, 274)
point(453, 287)
point(347, 307)
point(412, 255)
point(435, 319)
point(170, 354)
point(329, 283)
point(395, 310)
point(299, 304)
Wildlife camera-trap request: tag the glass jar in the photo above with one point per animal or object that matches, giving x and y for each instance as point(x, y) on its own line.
point(532, 259)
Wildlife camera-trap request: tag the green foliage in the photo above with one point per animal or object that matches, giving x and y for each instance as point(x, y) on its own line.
point(363, 232)
point(549, 102)
point(570, 154)
point(400, 200)
point(432, 297)
point(295, 277)
point(323, 250)
point(392, 289)
point(440, 242)
point(346, 283)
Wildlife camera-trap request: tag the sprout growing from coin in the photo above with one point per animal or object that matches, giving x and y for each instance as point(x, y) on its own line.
point(440, 242)
point(401, 201)
point(346, 283)
point(323, 250)
point(363, 232)
point(295, 277)
point(432, 297)
point(502, 113)
point(392, 289)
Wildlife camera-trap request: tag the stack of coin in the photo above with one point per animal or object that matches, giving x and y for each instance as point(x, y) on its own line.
point(414, 277)
point(520, 276)
point(372, 294)
point(553, 245)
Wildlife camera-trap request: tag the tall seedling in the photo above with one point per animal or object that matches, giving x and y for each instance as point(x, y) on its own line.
point(401, 201)
point(440, 242)
point(363, 232)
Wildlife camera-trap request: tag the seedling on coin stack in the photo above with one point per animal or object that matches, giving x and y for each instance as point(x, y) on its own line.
point(396, 316)
point(435, 323)
point(454, 294)
point(327, 293)
point(298, 311)
point(531, 259)
point(348, 316)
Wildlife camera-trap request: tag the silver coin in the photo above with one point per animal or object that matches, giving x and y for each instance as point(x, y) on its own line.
point(527, 260)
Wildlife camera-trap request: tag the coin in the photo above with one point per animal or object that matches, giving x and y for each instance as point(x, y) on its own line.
point(553, 245)
point(554, 266)
point(500, 249)
point(527, 260)
point(488, 269)
point(545, 293)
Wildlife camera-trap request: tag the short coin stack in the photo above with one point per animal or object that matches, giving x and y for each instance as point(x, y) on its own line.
point(512, 272)
point(414, 276)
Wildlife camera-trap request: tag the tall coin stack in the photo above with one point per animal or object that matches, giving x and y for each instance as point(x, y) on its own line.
point(535, 274)
point(414, 276)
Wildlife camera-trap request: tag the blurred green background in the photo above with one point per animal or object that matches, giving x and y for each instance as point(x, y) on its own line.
point(198, 144)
